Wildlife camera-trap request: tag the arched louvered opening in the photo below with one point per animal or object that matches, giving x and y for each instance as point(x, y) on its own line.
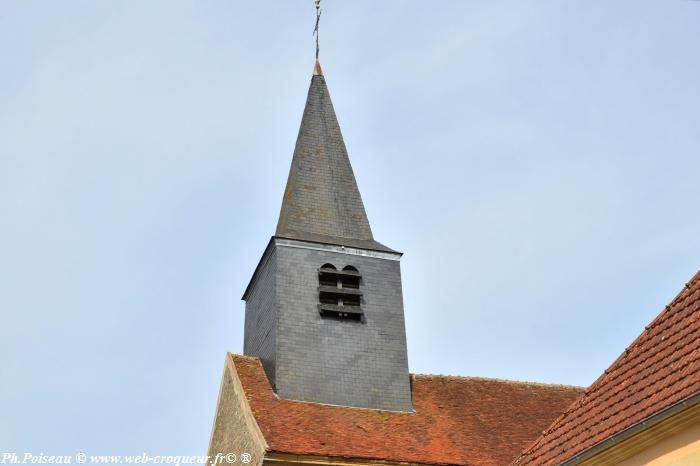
point(339, 292)
point(351, 278)
point(327, 276)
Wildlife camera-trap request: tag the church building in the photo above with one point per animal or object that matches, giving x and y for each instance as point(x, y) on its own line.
point(324, 377)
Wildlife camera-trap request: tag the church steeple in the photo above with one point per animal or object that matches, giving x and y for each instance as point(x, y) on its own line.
point(324, 308)
point(322, 202)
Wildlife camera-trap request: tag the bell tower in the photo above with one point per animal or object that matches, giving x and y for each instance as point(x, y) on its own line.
point(324, 308)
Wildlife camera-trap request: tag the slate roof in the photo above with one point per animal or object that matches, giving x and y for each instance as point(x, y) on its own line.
point(658, 370)
point(322, 198)
point(457, 420)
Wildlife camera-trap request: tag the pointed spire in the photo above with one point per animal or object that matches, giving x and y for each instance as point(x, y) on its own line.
point(317, 69)
point(322, 202)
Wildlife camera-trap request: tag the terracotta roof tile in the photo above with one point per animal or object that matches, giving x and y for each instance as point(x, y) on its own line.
point(457, 420)
point(659, 369)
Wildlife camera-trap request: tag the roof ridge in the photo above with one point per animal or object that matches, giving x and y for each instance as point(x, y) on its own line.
point(444, 376)
point(682, 294)
point(243, 356)
point(497, 379)
point(637, 359)
point(666, 326)
point(562, 439)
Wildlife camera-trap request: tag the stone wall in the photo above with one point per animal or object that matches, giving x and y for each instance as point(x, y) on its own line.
point(235, 430)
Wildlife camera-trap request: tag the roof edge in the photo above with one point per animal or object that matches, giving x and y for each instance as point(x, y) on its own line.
point(250, 416)
point(647, 423)
point(232, 395)
point(371, 246)
point(619, 435)
point(679, 296)
point(284, 459)
point(496, 379)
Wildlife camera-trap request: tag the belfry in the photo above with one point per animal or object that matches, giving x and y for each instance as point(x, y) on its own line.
point(324, 309)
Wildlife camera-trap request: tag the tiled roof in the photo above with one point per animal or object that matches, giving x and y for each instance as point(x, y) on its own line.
point(660, 369)
point(457, 420)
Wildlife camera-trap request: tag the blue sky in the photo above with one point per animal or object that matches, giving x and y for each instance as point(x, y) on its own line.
point(537, 162)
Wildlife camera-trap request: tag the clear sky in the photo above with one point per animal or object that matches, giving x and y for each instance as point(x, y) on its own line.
point(537, 161)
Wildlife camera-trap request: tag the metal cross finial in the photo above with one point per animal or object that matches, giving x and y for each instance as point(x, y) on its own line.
point(318, 19)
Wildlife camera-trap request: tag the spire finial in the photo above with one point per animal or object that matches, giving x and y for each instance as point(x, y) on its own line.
point(318, 20)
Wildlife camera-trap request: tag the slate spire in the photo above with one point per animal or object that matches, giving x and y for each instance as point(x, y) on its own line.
point(322, 202)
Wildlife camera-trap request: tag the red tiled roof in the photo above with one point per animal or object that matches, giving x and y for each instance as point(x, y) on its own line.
point(658, 370)
point(457, 420)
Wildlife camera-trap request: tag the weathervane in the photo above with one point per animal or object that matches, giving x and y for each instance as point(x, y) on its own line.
point(318, 20)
